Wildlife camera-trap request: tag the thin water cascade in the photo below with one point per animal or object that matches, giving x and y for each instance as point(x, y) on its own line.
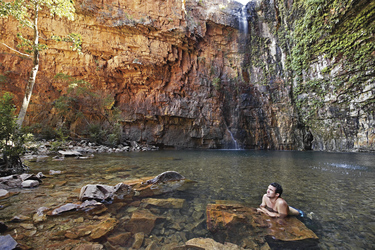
point(243, 23)
point(236, 147)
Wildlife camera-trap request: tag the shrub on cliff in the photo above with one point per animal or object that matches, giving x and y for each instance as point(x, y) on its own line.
point(88, 111)
point(11, 138)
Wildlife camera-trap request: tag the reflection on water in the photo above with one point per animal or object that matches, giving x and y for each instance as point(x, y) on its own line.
point(336, 189)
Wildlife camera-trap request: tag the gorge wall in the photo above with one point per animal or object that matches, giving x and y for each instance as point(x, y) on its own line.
point(185, 74)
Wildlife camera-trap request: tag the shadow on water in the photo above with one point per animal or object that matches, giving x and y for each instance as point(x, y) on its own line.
point(336, 190)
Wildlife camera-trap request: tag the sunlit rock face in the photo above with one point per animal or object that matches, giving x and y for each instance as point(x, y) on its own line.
point(182, 73)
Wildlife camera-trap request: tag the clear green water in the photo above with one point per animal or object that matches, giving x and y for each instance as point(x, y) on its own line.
point(338, 189)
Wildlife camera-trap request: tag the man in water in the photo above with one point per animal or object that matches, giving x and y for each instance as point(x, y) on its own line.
point(275, 206)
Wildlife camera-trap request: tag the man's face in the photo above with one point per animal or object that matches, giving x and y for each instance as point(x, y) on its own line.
point(271, 192)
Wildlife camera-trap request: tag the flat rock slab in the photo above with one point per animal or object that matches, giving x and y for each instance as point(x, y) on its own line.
point(207, 243)
point(229, 217)
point(141, 221)
point(141, 188)
point(164, 203)
point(70, 153)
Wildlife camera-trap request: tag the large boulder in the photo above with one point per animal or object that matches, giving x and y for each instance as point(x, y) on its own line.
point(101, 192)
point(10, 181)
point(23, 180)
point(225, 219)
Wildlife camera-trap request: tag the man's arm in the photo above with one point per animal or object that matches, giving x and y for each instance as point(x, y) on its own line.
point(269, 213)
point(262, 207)
point(263, 204)
point(282, 208)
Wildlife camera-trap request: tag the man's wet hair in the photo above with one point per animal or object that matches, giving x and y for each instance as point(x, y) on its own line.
point(279, 189)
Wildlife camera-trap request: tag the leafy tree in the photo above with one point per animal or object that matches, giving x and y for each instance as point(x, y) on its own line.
point(26, 12)
point(11, 138)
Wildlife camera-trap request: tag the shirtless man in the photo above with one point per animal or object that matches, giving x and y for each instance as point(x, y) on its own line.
point(275, 206)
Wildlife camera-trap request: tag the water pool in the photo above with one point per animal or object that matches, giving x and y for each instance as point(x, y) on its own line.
point(336, 189)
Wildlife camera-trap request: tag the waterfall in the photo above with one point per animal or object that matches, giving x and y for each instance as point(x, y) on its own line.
point(242, 19)
point(234, 140)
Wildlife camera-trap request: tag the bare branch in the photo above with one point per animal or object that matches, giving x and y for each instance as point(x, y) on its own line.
point(15, 50)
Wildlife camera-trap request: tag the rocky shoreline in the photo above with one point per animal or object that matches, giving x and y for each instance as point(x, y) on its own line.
point(84, 147)
point(133, 215)
point(41, 150)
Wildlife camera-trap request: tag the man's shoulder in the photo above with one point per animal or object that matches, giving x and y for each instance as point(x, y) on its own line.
point(281, 201)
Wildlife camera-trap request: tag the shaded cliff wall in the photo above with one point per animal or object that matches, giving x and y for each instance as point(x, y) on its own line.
point(332, 60)
point(181, 73)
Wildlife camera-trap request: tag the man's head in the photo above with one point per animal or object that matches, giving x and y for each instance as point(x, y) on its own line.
point(277, 189)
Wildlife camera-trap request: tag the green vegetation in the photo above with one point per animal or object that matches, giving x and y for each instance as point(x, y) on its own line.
point(26, 12)
point(3, 78)
point(342, 33)
point(81, 104)
point(216, 82)
point(11, 138)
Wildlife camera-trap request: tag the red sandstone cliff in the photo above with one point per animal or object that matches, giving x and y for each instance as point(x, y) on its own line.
point(176, 70)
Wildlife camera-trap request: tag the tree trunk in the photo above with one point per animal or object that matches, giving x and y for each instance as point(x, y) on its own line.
point(34, 71)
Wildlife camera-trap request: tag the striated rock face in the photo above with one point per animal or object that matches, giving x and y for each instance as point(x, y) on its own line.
point(181, 73)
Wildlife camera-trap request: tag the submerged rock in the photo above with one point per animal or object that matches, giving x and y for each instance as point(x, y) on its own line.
point(164, 203)
point(53, 172)
point(89, 246)
point(103, 228)
point(141, 221)
point(40, 216)
point(7, 242)
point(138, 240)
point(87, 205)
point(65, 208)
point(163, 183)
point(207, 243)
point(165, 177)
point(20, 218)
point(120, 239)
